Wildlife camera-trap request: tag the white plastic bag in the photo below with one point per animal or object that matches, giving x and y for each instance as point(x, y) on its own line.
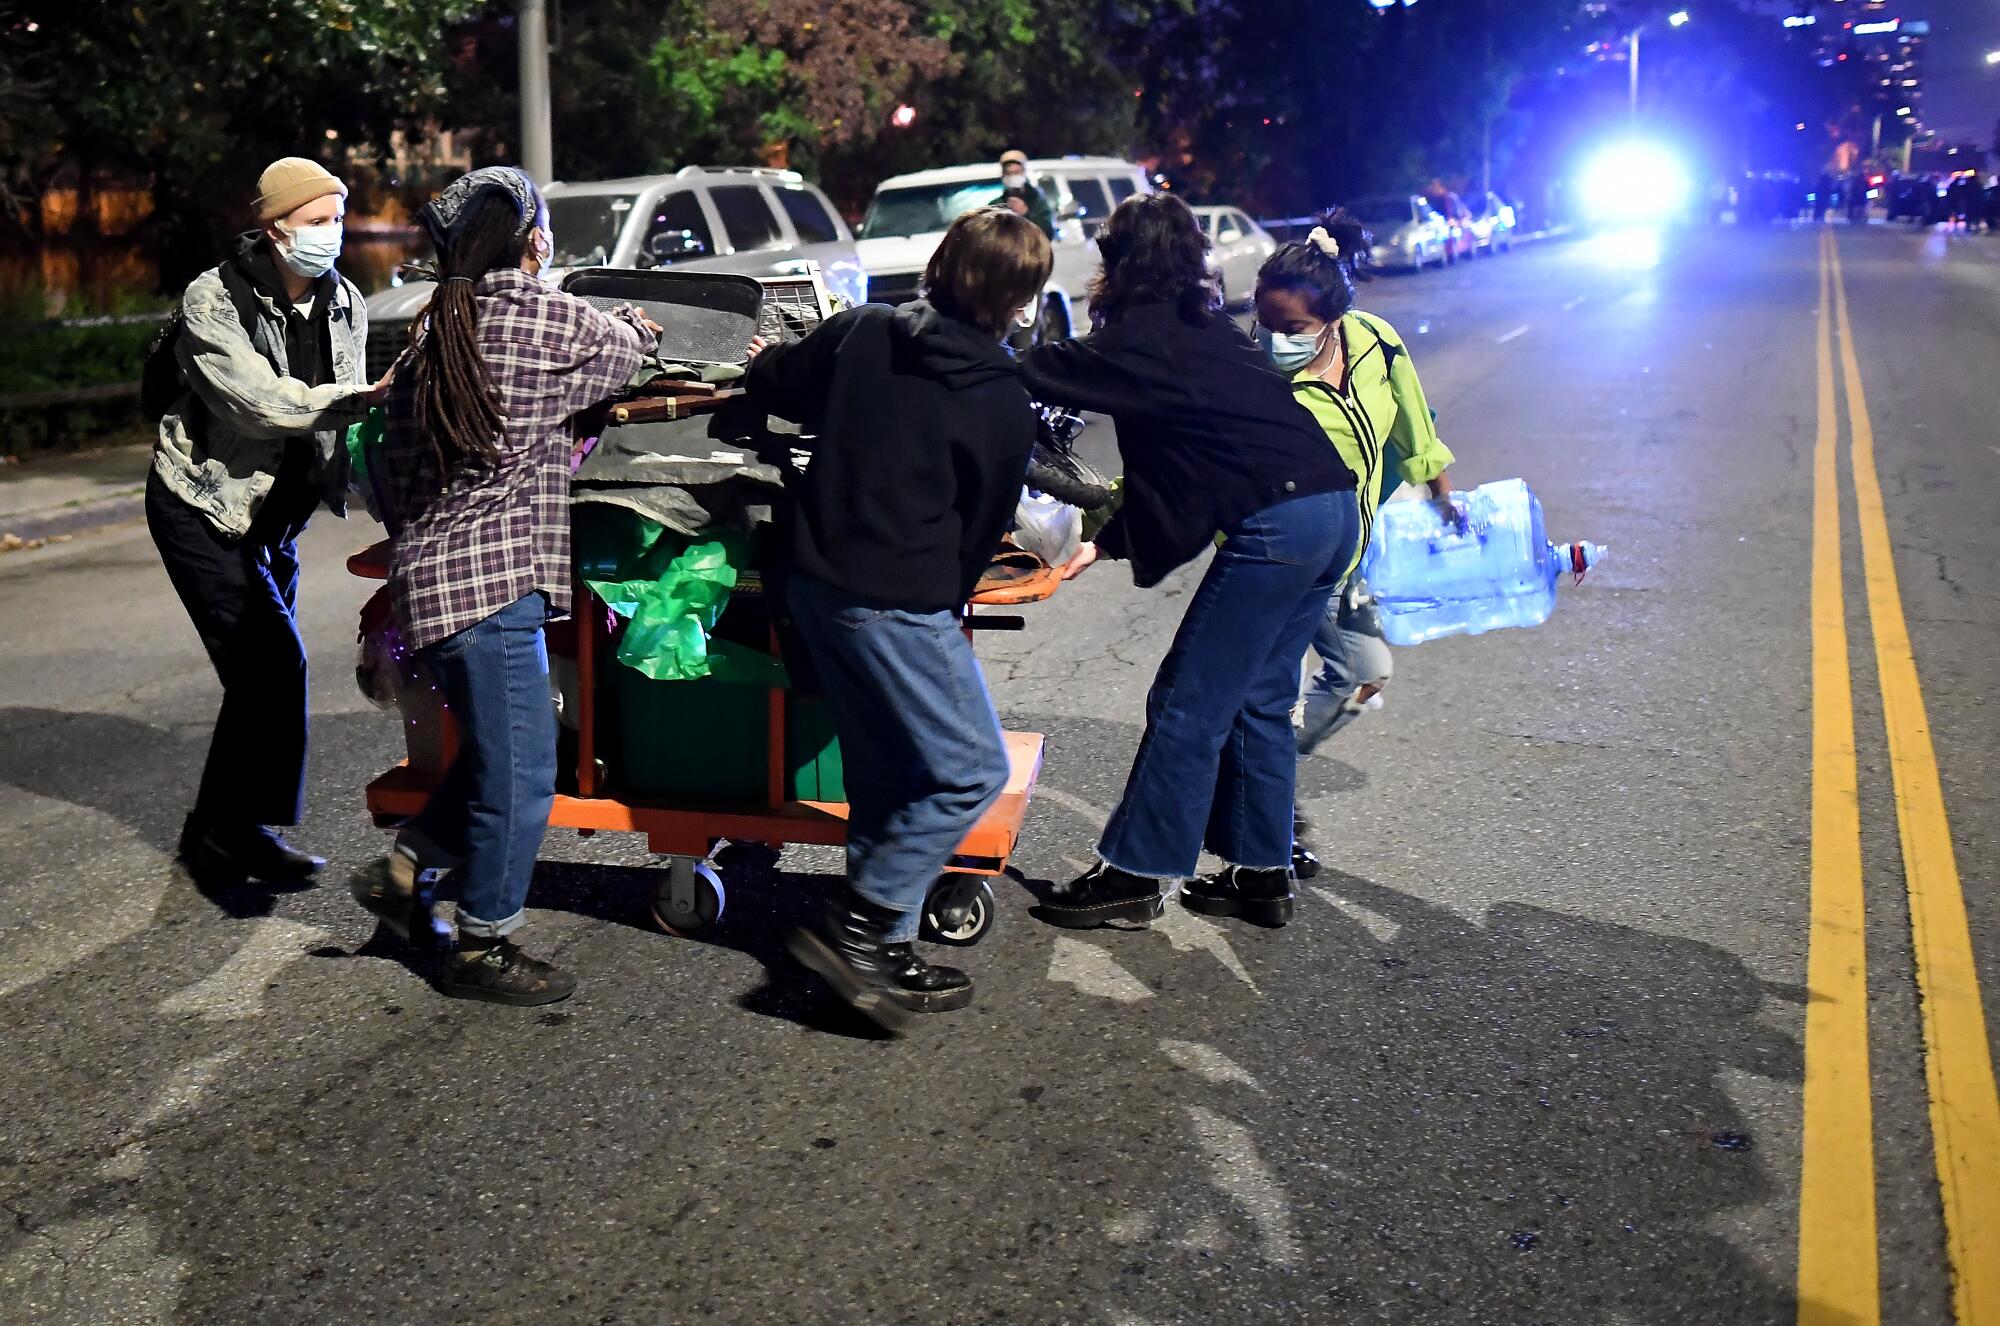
point(1049, 529)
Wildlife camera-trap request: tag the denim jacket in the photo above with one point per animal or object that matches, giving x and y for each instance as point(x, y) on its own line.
point(224, 466)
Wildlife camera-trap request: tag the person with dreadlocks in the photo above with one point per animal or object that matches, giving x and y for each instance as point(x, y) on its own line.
point(476, 455)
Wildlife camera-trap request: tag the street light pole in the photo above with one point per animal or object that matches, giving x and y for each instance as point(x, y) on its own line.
point(1633, 40)
point(537, 141)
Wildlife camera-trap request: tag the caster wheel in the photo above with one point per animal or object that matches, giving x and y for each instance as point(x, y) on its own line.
point(689, 899)
point(960, 910)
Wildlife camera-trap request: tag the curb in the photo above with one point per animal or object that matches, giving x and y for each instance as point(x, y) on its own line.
point(35, 527)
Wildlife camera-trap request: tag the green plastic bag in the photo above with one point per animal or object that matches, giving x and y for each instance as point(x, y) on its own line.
point(363, 438)
point(671, 594)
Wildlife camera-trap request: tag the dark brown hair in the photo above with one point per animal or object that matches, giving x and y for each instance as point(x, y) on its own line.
point(1326, 282)
point(991, 263)
point(455, 404)
point(1154, 253)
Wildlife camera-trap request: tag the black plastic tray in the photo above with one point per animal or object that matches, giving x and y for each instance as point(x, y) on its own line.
point(704, 317)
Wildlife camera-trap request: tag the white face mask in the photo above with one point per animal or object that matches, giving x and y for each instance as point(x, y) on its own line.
point(310, 250)
point(1025, 319)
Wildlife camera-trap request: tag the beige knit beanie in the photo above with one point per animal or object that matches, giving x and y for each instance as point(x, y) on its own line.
point(289, 183)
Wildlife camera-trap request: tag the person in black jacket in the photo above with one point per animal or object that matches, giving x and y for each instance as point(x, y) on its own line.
point(1213, 443)
point(923, 434)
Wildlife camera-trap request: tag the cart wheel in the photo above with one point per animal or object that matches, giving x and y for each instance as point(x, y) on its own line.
point(960, 910)
point(689, 898)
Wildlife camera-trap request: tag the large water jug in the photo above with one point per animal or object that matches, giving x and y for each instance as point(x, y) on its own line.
point(1431, 579)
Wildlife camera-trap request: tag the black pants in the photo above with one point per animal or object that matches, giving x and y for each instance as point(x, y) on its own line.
point(241, 595)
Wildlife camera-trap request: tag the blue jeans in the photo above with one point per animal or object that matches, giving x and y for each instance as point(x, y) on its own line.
point(486, 818)
point(1350, 657)
point(919, 739)
point(1218, 763)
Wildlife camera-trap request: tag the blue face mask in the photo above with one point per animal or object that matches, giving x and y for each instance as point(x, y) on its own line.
point(1290, 351)
point(310, 250)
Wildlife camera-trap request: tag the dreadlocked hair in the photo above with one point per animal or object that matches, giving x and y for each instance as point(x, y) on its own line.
point(455, 402)
point(1325, 279)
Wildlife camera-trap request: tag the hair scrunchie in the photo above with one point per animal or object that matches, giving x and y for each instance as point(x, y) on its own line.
point(1324, 242)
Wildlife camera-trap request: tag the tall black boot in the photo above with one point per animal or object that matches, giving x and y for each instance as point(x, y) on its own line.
point(884, 982)
point(1261, 897)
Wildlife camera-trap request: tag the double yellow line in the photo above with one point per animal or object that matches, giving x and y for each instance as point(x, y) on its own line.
point(1839, 1280)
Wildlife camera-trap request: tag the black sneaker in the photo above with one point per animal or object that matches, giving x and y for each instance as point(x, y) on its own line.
point(1305, 862)
point(1104, 896)
point(374, 887)
point(1261, 897)
point(503, 974)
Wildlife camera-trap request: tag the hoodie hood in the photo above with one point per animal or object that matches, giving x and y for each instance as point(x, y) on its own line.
point(957, 354)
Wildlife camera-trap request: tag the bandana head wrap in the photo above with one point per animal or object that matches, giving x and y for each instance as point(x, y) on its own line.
point(445, 216)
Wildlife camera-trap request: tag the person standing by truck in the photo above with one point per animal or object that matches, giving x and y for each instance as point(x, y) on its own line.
point(261, 371)
point(922, 433)
point(476, 473)
point(1018, 194)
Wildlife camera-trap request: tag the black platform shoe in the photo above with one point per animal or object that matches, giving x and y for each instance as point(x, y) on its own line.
point(1261, 897)
point(1103, 896)
point(931, 989)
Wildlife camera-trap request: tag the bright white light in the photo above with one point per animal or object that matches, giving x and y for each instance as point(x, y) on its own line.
point(1902, 110)
point(904, 116)
point(1870, 29)
point(1635, 183)
point(1801, 21)
point(1678, 18)
point(1993, 57)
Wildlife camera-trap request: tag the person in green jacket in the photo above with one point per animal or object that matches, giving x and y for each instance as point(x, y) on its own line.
point(1019, 195)
point(1352, 372)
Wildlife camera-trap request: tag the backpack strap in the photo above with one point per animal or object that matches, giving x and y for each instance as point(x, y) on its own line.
point(243, 296)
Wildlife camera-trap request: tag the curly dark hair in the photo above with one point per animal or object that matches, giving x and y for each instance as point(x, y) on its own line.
point(1326, 281)
point(1154, 253)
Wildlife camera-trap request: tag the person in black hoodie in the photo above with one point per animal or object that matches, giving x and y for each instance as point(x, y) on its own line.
point(1213, 443)
point(923, 435)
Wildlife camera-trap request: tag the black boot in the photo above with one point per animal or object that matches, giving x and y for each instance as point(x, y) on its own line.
point(1103, 896)
point(1261, 897)
point(1305, 864)
point(850, 951)
point(936, 989)
point(235, 853)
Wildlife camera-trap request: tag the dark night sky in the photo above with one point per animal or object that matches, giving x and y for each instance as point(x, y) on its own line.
point(1961, 91)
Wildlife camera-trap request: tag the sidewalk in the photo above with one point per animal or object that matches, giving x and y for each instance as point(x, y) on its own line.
point(52, 497)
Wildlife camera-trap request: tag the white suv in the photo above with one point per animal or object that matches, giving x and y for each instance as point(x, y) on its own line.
point(909, 215)
point(750, 220)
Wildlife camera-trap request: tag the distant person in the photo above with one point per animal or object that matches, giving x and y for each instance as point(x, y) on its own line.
point(923, 437)
point(266, 365)
point(1823, 197)
point(1857, 198)
point(1354, 374)
point(1991, 198)
point(1214, 444)
point(1019, 195)
point(475, 465)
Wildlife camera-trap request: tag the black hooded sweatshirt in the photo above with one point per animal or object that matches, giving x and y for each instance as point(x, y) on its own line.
point(922, 434)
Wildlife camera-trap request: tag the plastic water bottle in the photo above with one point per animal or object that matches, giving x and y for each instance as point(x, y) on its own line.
point(1431, 580)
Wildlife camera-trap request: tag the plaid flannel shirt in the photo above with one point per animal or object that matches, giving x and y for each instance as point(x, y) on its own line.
point(470, 542)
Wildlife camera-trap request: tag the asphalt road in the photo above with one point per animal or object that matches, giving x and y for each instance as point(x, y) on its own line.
point(1534, 1050)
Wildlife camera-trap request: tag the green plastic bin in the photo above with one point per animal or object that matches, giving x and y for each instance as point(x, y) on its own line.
point(812, 752)
point(703, 738)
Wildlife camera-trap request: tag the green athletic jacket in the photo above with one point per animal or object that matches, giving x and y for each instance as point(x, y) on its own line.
point(1382, 426)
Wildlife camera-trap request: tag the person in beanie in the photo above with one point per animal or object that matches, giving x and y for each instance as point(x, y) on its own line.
point(270, 351)
point(476, 469)
point(1019, 195)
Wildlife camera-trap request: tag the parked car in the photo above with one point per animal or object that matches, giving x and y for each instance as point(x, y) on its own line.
point(1407, 231)
point(1493, 221)
point(750, 220)
point(1458, 220)
point(909, 214)
point(1237, 249)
